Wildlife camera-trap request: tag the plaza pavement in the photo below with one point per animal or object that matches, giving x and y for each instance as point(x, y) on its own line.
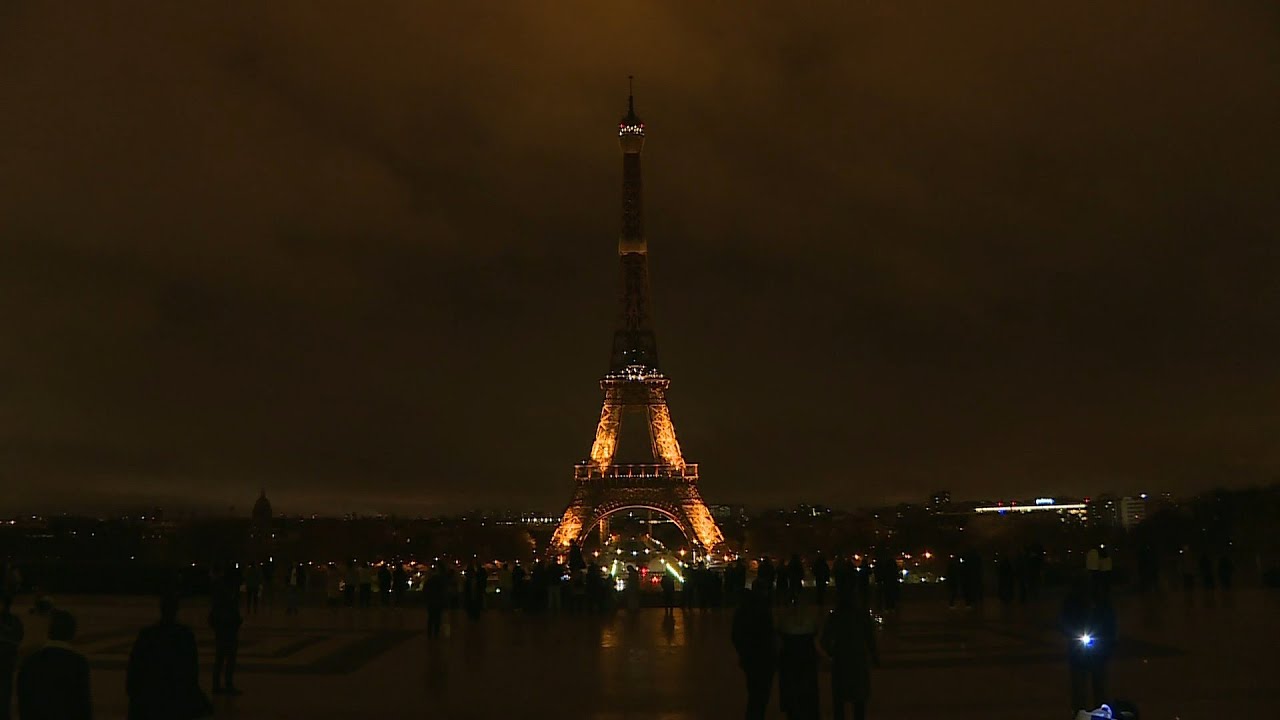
point(1207, 658)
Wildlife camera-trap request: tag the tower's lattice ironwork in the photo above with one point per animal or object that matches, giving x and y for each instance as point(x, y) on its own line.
point(633, 386)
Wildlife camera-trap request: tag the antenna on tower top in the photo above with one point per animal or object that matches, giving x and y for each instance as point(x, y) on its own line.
point(631, 93)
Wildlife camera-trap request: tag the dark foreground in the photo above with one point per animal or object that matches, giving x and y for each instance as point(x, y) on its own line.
point(1210, 658)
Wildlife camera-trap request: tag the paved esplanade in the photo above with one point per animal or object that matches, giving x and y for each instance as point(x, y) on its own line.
point(1174, 660)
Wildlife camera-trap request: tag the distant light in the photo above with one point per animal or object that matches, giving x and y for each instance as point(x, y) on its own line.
point(1086, 640)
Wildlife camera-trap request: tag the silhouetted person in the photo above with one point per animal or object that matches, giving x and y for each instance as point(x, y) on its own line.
point(753, 640)
point(297, 581)
point(224, 618)
point(384, 585)
point(765, 575)
point(399, 584)
point(366, 585)
point(252, 586)
point(482, 586)
point(1226, 569)
point(1034, 570)
point(1206, 571)
point(795, 576)
point(1090, 628)
point(53, 683)
point(782, 583)
point(849, 640)
point(350, 582)
point(11, 635)
point(436, 590)
point(269, 583)
point(955, 568)
point(633, 588)
point(798, 663)
point(1004, 579)
point(163, 677)
point(668, 592)
point(1186, 568)
point(821, 578)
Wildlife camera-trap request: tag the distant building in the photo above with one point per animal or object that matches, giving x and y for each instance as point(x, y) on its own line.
point(1133, 510)
point(940, 500)
point(1104, 511)
point(1062, 506)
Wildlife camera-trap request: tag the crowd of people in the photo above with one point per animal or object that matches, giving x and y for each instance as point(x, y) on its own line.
point(779, 629)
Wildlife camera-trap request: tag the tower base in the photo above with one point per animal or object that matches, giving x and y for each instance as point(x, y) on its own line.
point(672, 491)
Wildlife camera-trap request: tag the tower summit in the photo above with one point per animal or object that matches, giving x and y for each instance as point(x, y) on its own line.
point(634, 344)
point(634, 386)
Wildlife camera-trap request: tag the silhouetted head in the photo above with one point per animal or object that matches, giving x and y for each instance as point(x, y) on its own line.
point(62, 626)
point(169, 608)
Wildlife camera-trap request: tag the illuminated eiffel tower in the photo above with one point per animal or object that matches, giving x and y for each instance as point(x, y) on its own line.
point(634, 386)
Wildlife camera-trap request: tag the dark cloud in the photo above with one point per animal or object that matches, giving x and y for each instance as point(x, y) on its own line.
point(366, 259)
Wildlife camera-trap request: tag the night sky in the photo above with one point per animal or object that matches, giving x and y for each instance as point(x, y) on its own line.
point(366, 257)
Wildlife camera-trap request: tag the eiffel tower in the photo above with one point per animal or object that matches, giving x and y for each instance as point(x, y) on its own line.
point(634, 386)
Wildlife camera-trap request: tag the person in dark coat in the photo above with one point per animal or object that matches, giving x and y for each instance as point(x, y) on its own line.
point(224, 618)
point(798, 663)
point(399, 583)
point(1091, 636)
point(163, 677)
point(753, 640)
point(53, 683)
point(11, 635)
point(821, 578)
point(436, 590)
point(1226, 569)
point(384, 585)
point(668, 593)
point(849, 640)
point(795, 576)
point(765, 574)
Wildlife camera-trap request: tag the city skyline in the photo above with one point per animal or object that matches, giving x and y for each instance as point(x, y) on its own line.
point(366, 263)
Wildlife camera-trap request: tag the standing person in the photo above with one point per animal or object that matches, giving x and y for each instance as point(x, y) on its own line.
point(798, 663)
point(1186, 568)
point(269, 584)
point(350, 582)
point(781, 580)
point(821, 578)
point(11, 635)
point(384, 584)
point(252, 585)
point(633, 589)
point(1090, 628)
point(1004, 579)
point(849, 640)
point(53, 683)
point(399, 583)
point(765, 574)
point(366, 585)
point(163, 676)
point(754, 641)
point(1206, 571)
point(436, 590)
point(955, 569)
point(297, 587)
point(1226, 569)
point(795, 576)
point(482, 586)
point(668, 592)
point(517, 587)
point(224, 618)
